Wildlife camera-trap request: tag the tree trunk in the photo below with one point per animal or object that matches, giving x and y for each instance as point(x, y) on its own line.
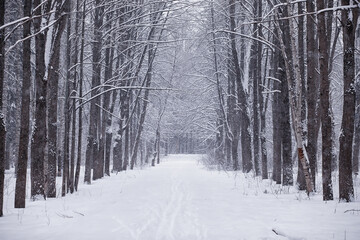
point(349, 18)
point(126, 131)
point(53, 86)
point(287, 165)
point(294, 88)
point(20, 189)
point(96, 80)
point(74, 76)
point(39, 140)
point(255, 70)
point(312, 90)
point(106, 114)
point(262, 101)
point(326, 128)
point(81, 76)
point(242, 98)
point(276, 117)
point(2, 120)
point(148, 79)
point(158, 145)
point(67, 120)
point(222, 142)
point(357, 111)
point(300, 176)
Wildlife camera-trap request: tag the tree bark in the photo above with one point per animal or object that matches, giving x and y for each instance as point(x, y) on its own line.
point(357, 113)
point(312, 90)
point(53, 86)
point(300, 176)
point(294, 88)
point(287, 165)
point(67, 119)
point(81, 76)
point(96, 80)
point(326, 127)
point(276, 119)
point(74, 76)
point(255, 73)
point(241, 95)
point(2, 115)
point(20, 189)
point(39, 140)
point(349, 18)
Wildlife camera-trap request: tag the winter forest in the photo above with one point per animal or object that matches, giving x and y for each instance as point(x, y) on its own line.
point(179, 119)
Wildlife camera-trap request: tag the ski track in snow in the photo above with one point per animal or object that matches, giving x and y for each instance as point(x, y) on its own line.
point(180, 200)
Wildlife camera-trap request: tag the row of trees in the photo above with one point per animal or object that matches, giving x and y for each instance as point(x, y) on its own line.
point(281, 58)
point(90, 75)
point(111, 83)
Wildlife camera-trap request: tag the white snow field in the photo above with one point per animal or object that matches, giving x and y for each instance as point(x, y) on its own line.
point(179, 199)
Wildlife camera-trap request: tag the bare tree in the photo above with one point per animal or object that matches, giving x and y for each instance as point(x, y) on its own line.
point(92, 149)
point(326, 127)
point(20, 190)
point(53, 82)
point(2, 115)
point(244, 118)
point(312, 89)
point(81, 76)
point(39, 141)
point(349, 20)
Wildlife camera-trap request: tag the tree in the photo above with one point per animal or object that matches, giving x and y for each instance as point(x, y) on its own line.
point(349, 18)
point(81, 76)
point(20, 190)
point(293, 76)
point(2, 115)
point(255, 73)
point(242, 103)
point(92, 149)
point(325, 112)
point(312, 89)
point(39, 141)
point(53, 85)
point(357, 116)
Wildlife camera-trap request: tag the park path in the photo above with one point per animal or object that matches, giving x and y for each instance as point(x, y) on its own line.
point(179, 200)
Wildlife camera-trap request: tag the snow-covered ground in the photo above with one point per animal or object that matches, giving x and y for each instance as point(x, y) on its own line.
point(180, 199)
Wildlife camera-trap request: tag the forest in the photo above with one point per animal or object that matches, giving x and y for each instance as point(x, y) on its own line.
point(92, 88)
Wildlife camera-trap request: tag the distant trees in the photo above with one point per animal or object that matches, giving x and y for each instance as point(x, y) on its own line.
point(296, 88)
point(126, 38)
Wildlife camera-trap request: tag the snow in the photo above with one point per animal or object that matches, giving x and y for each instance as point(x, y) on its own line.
point(180, 199)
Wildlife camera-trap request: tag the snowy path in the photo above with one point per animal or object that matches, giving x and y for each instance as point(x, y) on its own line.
point(179, 200)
